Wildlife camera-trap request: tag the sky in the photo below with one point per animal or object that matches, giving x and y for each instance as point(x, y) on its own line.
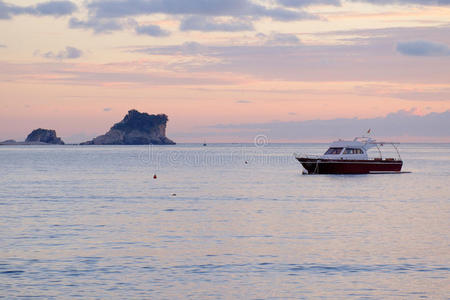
point(228, 71)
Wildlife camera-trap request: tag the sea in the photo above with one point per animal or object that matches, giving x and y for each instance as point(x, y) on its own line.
point(221, 221)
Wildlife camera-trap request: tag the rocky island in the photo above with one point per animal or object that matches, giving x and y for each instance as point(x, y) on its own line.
point(136, 128)
point(47, 136)
point(38, 136)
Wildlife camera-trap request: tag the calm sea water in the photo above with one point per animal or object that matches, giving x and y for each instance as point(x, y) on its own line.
point(91, 222)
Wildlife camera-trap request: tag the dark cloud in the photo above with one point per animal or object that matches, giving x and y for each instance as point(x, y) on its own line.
point(187, 48)
point(281, 14)
point(68, 53)
point(286, 10)
point(419, 2)
point(2, 46)
point(152, 30)
point(236, 8)
point(303, 3)
point(97, 25)
point(400, 123)
point(243, 101)
point(50, 8)
point(373, 58)
point(56, 8)
point(202, 23)
point(423, 48)
point(283, 39)
point(107, 109)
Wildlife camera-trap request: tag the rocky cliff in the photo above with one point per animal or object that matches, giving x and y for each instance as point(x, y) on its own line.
point(44, 136)
point(136, 129)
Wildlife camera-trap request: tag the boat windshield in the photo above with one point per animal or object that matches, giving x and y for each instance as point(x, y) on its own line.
point(334, 151)
point(353, 151)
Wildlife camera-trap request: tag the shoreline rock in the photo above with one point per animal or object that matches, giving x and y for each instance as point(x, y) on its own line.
point(15, 143)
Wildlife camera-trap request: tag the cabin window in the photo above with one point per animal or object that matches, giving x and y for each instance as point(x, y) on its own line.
point(334, 151)
point(353, 151)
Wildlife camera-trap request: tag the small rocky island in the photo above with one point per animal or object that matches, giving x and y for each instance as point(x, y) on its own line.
point(136, 129)
point(38, 137)
point(47, 136)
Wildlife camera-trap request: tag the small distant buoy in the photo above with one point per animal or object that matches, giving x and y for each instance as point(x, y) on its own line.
point(154, 176)
point(174, 194)
point(246, 162)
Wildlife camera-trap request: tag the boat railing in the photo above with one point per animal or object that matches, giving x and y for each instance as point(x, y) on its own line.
point(309, 156)
point(380, 152)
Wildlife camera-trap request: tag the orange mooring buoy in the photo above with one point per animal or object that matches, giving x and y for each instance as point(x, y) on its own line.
point(154, 176)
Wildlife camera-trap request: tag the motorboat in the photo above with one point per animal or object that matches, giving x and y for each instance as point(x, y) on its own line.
point(351, 157)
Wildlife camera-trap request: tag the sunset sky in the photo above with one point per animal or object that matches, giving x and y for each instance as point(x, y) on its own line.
point(227, 70)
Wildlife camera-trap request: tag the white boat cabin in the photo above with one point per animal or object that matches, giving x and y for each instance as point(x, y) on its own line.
point(356, 149)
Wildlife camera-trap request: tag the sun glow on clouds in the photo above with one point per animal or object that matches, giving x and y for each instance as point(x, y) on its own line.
point(230, 62)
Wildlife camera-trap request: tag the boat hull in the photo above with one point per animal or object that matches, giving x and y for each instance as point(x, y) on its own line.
point(331, 166)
